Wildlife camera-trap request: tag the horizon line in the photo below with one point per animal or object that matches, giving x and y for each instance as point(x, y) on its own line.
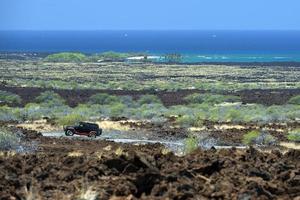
point(85, 30)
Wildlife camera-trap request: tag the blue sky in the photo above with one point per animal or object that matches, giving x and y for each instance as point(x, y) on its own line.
point(150, 14)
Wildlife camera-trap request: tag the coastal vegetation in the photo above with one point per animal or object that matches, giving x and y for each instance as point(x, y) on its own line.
point(66, 57)
point(70, 119)
point(8, 140)
point(294, 135)
point(149, 107)
point(50, 98)
point(258, 138)
point(146, 76)
point(8, 98)
point(199, 98)
point(212, 98)
point(190, 144)
point(111, 55)
point(295, 100)
point(74, 57)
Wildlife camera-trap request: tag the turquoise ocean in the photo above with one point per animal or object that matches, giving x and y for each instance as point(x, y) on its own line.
point(193, 45)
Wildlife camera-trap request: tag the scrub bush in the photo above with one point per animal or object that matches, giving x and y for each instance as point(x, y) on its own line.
point(190, 144)
point(186, 120)
point(295, 100)
point(149, 99)
point(8, 140)
point(233, 115)
point(50, 98)
point(70, 119)
point(116, 110)
point(250, 137)
point(127, 100)
point(103, 99)
point(66, 57)
point(258, 138)
point(294, 135)
point(149, 111)
point(8, 114)
point(211, 98)
point(8, 98)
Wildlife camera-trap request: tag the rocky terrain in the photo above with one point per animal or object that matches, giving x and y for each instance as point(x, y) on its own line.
point(68, 168)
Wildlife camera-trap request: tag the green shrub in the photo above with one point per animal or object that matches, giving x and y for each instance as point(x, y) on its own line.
point(233, 115)
point(294, 135)
point(266, 139)
point(147, 111)
point(200, 117)
point(149, 99)
point(103, 99)
point(51, 98)
point(295, 100)
point(178, 110)
point(249, 138)
point(33, 111)
point(116, 110)
point(127, 100)
point(293, 113)
point(258, 138)
point(9, 114)
point(70, 119)
point(190, 144)
point(9, 98)
point(194, 98)
point(86, 110)
point(211, 98)
point(186, 120)
point(66, 57)
point(111, 55)
point(8, 140)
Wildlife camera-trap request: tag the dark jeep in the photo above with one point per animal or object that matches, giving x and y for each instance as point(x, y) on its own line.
point(83, 128)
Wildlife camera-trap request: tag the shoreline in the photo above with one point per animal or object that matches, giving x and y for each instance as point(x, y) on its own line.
point(39, 56)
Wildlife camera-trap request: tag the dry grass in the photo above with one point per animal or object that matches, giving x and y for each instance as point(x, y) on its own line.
point(98, 155)
point(39, 125)
point(112, 125)
point(88, 194)
point(107, 148)
point(194, 129)
point(227, 127)
point(75, 154)
point(7, 154)
point(92, 75)
point(290, 145)
point(43, 126)
point(119, 151)
point(32, 194)
point(165, 151)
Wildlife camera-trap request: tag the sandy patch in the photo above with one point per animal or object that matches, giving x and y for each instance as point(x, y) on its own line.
point(113, 125)
point(226, 127)
point(290, 145)
point(194, 129)
point(39, 125)
point(274, 129)
point(43, 126)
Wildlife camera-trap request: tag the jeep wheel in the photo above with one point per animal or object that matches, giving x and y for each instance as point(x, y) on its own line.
point(69, 133)
point(92, 134)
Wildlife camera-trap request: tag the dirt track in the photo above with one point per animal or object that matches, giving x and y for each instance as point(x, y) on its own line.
point(75, 97)
point(67, 169)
